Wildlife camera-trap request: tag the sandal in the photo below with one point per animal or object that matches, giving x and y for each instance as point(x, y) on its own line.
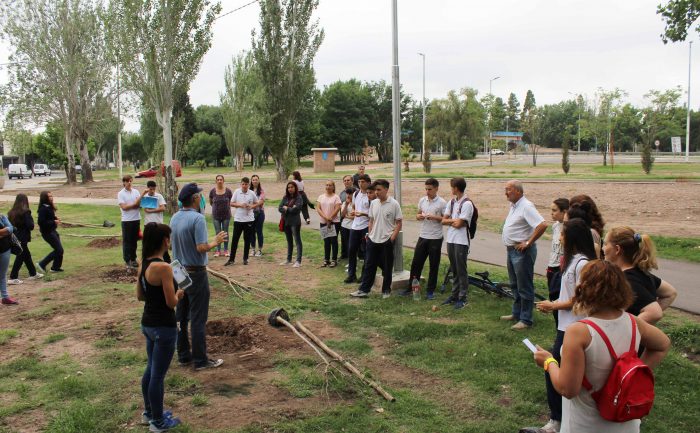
point(333, 264)
point(325, 264)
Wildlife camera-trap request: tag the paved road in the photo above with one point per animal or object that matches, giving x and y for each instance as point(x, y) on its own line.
point(487, 248)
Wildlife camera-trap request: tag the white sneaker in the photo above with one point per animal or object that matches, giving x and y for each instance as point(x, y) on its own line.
point(285, 263)
point(552, 426)
point(296, 265)
point(14, 282)
point(36, 277)
point(259, 253)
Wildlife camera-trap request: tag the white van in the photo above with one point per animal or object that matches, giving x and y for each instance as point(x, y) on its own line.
point(42, 170)
point(19, 170)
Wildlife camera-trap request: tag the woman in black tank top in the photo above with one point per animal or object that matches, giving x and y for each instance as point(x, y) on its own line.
point(157, 288)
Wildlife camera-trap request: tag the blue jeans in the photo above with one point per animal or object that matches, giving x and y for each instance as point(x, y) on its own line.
point(193, 311)
point(221, 226)
point(521, 270)
point(293, 233)
point(160, 346)
point(258, 230)
point(4, 264)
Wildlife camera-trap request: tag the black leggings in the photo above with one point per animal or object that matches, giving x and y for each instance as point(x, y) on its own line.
point(55, 256)
point(331, 243)
point(24, 258)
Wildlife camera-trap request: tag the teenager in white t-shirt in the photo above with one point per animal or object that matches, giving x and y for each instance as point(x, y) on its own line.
point(458, 213)
point(244, 201)
point(129, 200)
point(360, 223)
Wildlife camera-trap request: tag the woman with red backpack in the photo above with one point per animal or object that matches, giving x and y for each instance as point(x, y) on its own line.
point(599, 354)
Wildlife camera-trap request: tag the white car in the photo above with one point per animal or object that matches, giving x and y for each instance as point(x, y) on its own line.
point(497, 152)
point(19, 171)
point(42, 170)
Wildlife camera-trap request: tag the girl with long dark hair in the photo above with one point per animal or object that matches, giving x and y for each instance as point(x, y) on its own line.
point(21, 218)
point(259, 213)
point(157, 288)
point(48, 222)
point(290, 208)
point(577, 241)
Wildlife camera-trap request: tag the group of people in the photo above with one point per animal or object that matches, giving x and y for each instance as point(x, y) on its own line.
point(15, 235)
point(368, 221)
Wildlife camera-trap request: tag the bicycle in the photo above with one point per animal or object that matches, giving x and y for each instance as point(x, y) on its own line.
point(502, 290)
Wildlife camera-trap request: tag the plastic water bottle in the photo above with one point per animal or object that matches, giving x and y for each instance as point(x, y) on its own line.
point(415, 288)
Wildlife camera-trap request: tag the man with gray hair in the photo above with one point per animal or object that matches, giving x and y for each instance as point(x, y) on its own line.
point(523, 226)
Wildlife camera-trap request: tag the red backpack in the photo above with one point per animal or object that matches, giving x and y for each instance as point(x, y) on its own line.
point(628, 392)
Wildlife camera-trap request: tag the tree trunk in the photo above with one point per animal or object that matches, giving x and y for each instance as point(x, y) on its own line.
point(70, 169)
point(86, 172)
point(281, 170)
point(170, 189)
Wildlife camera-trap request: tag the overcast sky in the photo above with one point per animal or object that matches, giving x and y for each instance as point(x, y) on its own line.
point(551, 47)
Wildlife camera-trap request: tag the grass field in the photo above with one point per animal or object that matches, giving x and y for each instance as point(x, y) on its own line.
point(462, 371)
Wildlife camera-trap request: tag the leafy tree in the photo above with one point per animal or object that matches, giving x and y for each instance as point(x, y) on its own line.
point(184, 122)
point(555, 123)
point(497, 115)
point(647, 159)
point(679, 16)
point(565, 164)
point(347, 117)
point(209, 119)
point(132, 148)
point(308, 125)
point(50, 144)
point(527, 116)
point(456, 123)
point(663, 118)
point(60, 69)
point(513, 113)
point(242, 113)
point(628, 128)
point(159, 46)
point(151, 133)
point(284, 51)
point(203, 146)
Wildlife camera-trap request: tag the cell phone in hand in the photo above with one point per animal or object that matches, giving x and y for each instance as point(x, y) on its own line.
point(529, 345)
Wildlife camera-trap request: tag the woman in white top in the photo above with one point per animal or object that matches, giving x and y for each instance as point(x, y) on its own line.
point(577, 242)
point(603, 294)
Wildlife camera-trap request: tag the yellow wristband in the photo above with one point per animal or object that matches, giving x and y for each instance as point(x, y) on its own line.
point(548, 361)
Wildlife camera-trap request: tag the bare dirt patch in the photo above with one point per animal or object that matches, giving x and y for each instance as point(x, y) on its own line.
point(247, 334)
point(118, 275)
point(104, 243)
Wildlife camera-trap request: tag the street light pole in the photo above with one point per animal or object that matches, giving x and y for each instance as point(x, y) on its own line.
point(488, 124)
point(578, 106)
point(423, 104)
point(396, 135)
point(687, 121)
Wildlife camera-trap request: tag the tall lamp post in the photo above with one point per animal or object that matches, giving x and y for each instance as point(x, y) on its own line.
point(396, 129)
point(687, 120)
point(488, 124)
point(578, 106)
point(119, 127)
point(423, 104)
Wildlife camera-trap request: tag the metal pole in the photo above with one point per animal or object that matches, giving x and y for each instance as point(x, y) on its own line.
point(396, 136)
point(489, 126)
point(119, 127)
point(423, 149)
point(687, 120)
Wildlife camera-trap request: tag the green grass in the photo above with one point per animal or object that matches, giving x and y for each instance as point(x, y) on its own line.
point(7, 334)
point(684, 249)
point(54, 338)
point(464, 371)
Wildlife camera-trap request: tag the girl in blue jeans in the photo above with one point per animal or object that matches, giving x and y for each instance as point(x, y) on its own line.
point(156, 287)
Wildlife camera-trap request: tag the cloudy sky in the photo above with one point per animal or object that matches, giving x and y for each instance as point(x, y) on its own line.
point(551, 47)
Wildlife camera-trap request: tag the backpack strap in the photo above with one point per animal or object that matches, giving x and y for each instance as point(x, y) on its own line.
point(586, 383)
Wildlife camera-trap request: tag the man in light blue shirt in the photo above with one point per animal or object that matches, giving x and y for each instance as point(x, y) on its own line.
point(190, 245)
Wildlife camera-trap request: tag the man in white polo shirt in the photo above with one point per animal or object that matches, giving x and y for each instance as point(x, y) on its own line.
point(385, 220)
point(129, 201)
point(458, 214)
point(244, 201)
point(523, 226)
point(429, 246)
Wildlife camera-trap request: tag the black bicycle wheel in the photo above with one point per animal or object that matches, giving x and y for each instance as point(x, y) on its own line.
point(503, 290)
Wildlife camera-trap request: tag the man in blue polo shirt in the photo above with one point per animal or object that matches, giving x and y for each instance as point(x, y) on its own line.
point(190, 245)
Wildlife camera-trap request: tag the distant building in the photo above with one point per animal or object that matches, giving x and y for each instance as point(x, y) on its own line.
point(8, 156)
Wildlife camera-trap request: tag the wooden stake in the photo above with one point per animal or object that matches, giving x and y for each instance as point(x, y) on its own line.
point(351, 368)
point(318, 352)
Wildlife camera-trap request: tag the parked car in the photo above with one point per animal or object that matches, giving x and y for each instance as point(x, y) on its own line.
point(42, 170)
point(151, 172)
point(19, 171)
point(110, 165)
point(78, 169)
point(497, 152)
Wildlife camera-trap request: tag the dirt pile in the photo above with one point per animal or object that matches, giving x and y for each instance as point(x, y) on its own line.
point(104, 243)
point(118, 275)
point(247, 334)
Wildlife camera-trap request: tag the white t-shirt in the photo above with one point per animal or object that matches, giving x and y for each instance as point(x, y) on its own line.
point(384, 216)
point(556, 252)
point(347, 221)
point(129, 197)
point(464, 212)
point(361, 203)
point(569, 279)
point(154, 217)
point(521, 222)
point(431, 229)
point(242, 214)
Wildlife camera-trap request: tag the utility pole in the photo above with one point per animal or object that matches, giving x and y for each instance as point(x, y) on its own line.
point(488, 122)
point(423, 104)
point(687, 119)
point(396, 133)
point(119, 127)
